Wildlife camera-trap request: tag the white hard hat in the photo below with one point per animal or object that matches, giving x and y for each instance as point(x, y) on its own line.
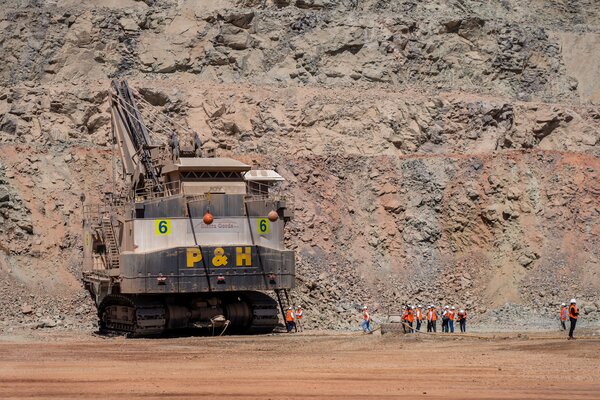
point(563, 304)
point(573, 301)
point(431, 306)
point(298, 306)
point(453, 307)
point(462, 310)
point(290, 307)
point(412, 308)
point(365, 307)
point(446, 307)
point(420, 306)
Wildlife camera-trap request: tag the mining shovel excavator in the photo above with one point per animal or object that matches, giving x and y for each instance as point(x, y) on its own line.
point(188, 240)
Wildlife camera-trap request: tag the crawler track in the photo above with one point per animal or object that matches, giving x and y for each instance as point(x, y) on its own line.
point(249, 313)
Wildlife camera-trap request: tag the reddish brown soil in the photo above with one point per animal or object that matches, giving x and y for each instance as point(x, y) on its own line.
point(301, 366)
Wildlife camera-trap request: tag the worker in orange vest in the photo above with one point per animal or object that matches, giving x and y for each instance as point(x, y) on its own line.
point(289, 320)
point(419, 317)
point(451, 315)
point(431, 319)
point(410, 318)
point(563, 317)
point(299, 315)
point(404, 318)
point(462, 320)
point(366, 323)
point(573, 314)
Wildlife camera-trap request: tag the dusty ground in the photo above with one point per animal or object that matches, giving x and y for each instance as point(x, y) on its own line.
point(301, 366)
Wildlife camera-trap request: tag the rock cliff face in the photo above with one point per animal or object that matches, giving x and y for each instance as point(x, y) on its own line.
point(439, 152)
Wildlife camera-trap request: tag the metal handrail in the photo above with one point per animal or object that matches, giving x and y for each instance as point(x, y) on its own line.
point(155, 192)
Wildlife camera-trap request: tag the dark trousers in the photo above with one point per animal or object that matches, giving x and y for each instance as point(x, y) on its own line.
point(411, 330)
point(429, 329)
point(463, 325)
point(434, 325)
point(573, 323)
point(418, 325)
point(563, 325)
point(291, 325)
point(444, 325)
point(451, 323)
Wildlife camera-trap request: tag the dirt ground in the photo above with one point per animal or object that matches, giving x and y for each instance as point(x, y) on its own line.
point(324, 366)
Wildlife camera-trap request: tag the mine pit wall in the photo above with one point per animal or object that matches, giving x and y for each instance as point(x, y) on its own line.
point(441, 151)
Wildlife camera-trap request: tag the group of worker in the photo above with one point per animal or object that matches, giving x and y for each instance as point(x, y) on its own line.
point(414, 315)
point(572, 313)
point(293, 320)
point(412, 319)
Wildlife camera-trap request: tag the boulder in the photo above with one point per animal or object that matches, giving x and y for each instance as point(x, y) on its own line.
point(4, 194)
point(241, 19)
point(391, 203)
point(524, 260)
point(492, 214)
point(313, 4)
point(26, 309)
point(129, 24)
point(237, 41)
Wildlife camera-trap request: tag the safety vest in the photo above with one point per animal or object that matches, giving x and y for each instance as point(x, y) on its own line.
point(431, 315)
point(289, 316)
point(419, 315)
point(451, 315)
point(461, 316)
point(404, 315)
point(366, 316)
point(573, 311)
point(410, 317)
point(563, 313)
point(299, 314)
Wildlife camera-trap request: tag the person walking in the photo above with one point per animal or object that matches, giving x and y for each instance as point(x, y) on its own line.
point(563, 317)
point(462, 320)
point(451, 315)
point(419, 317)
point(404, 318)
point(410, 318)
point(299, 315)
point(366, 322)
point(289, 320)
point(573, 314)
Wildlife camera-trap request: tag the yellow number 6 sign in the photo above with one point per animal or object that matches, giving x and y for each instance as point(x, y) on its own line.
point(263, 226)
point(163, 227)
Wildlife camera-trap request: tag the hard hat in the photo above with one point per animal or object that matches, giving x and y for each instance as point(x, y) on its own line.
point(431, 306)
point(453, 307)
point(462, 310)
point(446, 307)
point(298, 307)
point(365, 307)
point(420, 306)
point(573, 301)
point(290, 307)
point(563, 304)
point(412, 308)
